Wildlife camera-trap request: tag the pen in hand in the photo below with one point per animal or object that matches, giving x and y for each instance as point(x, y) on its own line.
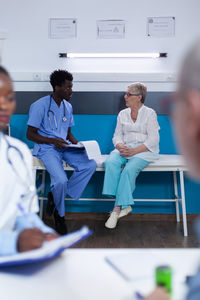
point(138, 295)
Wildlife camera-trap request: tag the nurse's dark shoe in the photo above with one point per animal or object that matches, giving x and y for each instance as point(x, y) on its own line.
point(50, 204)
point(60, 224)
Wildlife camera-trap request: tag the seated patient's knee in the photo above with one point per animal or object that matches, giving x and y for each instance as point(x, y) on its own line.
point(110, 162)
point(61, 181)
point(89, 165)
point(132, 170)
point(92, 164)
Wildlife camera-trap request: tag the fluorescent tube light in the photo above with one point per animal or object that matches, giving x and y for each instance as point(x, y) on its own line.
point(113, 55)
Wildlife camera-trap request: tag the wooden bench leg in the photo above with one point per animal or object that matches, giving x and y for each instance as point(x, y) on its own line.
point(177, 197)
point(185, 231)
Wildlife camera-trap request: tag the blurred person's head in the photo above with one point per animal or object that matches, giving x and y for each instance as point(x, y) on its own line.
point(187, 110)
point(7, 98)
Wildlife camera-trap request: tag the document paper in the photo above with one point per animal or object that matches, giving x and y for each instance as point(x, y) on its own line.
point(131, 267)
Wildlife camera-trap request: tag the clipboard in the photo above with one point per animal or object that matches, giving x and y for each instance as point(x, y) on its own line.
point(48, 251)
point(79, 146)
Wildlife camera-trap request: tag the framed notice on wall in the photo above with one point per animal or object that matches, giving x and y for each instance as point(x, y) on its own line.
point(161, 26)
point(62, 28)
point(111, 29)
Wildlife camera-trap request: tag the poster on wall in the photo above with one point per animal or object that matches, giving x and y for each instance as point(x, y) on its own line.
point(161, 26)
point(111, 29)
point(62, 28)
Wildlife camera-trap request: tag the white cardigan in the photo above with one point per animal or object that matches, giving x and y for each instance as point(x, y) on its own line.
point(143, 131)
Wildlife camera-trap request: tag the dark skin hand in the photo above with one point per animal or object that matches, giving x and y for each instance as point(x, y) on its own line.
point(51, 236)
point(57, 142)
point(33, 238)
point(70, 137)
point(35, 137)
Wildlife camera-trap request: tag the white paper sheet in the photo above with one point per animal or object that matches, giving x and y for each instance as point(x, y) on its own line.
point(93, 150)
point(131, 267)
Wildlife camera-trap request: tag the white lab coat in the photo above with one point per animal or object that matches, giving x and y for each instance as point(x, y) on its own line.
point(12, 186)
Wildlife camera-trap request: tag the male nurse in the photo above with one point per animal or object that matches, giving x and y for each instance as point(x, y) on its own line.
point(49, 126)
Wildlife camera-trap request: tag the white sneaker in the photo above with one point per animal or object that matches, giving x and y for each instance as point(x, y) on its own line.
point(112, 220)
point(125, 212)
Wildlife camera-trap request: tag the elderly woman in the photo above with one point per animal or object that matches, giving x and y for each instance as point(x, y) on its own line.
point(136, 141)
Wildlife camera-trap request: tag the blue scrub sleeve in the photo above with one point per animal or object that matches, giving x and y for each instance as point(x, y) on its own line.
point(36, 115)
point(71, 122)
point(8, 242)
point(31, 220)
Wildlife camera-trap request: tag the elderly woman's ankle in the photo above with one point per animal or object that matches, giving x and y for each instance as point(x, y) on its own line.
point(117, 209)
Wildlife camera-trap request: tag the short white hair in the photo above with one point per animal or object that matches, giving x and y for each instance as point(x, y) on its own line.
point(139, 88)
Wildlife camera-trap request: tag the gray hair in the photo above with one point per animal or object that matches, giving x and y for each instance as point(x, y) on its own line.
point(139, 88)
point(190, 72)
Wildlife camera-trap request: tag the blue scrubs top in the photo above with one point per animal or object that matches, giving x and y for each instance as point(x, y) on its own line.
point(39, 115)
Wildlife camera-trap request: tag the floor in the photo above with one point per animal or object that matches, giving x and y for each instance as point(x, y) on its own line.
point(133, 231)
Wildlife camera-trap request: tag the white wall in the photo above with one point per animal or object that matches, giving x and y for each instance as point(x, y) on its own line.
point(29, 49)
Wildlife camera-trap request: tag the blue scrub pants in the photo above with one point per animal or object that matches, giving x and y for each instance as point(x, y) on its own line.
point(60, 185)
point(121, 183)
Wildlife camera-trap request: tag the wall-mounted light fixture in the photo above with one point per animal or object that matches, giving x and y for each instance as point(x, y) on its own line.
point(113, 55)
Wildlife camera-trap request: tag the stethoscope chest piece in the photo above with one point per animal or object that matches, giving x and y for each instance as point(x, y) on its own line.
point(64, 119)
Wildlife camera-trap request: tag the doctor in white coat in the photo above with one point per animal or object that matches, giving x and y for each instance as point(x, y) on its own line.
point(20, 228)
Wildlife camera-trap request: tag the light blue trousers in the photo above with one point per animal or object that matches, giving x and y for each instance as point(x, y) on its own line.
point(60, 185)
point(121, 182)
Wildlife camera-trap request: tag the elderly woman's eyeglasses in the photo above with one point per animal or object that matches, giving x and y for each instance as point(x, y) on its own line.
point(129, 94)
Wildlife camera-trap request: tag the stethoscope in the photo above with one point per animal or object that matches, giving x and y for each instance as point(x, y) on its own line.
point(64, 119)
point(11, 149)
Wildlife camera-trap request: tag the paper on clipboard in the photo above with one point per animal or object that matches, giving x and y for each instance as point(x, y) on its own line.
point(92, 149)
point(131, 267)
point(49, 250)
